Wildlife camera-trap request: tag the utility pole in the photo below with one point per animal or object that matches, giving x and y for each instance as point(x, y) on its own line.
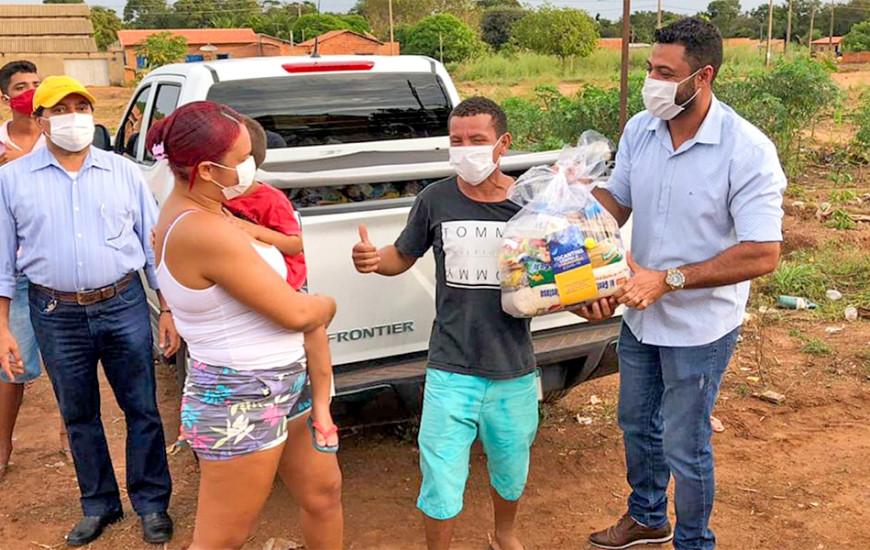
point(623, 75)
point(441, 46)
point(660, 15)
point(812, 30)
point(831, 34)
point(787, 29)
point(392, 36)
point(769, 32)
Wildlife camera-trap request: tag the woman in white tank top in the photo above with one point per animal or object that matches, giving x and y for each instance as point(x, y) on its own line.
point(244, 327)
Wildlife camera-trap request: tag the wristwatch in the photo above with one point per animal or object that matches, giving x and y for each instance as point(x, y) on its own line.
point(675, 279)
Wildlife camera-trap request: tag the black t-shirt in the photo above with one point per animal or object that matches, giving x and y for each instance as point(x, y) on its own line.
point(471, 333)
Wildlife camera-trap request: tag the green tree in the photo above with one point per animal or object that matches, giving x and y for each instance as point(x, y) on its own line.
point(489, 4)
point(195, 14)
point(497, 24)
point(106, 26)
point(239, 12)
point(442, 36)
point(607, 28)
point(644, 24)
point(410, 12)
point(356, 23)
point(314, 24)
point(148, 14)
point(724, 14)
point(562, 32)
point(162, 48)
point(858, 39)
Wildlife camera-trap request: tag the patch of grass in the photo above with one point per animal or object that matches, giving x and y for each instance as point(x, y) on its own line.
point(817, 347)
point(742, 390)
point(841, 221)
point(841, 178)
point(602, 66)
point(810, 272)
point(843, 195)
point(796, 279)
point(796, 191)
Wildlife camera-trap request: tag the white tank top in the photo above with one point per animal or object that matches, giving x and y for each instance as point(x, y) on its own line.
point(220, 330)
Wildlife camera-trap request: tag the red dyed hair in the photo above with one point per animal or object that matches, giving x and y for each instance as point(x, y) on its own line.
point(198, 132)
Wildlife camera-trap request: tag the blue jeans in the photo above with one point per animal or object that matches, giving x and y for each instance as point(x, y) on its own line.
point(666, 396)
point(22, 329)
point(116, 332)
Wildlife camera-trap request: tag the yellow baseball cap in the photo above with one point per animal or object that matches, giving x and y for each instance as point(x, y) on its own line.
point(54, 88)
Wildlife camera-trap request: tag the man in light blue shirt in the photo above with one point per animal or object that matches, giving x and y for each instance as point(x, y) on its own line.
point(76, 221)
point(705, 189)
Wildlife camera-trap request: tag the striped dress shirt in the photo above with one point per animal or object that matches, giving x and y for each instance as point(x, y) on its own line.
point(77, 231)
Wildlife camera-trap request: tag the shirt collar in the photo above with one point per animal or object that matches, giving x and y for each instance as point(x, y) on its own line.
point(44, 158)
point(710, 131)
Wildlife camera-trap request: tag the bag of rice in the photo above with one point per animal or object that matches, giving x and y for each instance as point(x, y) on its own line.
point(563, 249)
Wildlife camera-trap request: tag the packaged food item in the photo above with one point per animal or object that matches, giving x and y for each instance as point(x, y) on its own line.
point(563, 249)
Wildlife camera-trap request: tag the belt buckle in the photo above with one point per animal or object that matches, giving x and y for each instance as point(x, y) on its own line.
point(90, 297)
point(87, 297)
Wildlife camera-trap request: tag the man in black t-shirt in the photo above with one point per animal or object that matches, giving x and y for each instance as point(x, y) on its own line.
point(482, 379)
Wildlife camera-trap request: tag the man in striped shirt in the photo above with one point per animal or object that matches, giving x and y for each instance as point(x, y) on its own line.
point(81, 219)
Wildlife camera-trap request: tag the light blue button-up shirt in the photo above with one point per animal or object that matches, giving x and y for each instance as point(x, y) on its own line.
point(72, 233)
point(719, 189)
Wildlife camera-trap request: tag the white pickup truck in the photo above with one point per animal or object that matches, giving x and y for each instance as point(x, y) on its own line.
point(373, 129)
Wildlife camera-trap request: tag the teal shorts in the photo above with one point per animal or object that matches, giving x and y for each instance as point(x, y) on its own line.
point(458, 408)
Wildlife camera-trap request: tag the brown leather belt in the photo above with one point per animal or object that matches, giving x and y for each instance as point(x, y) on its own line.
point(88, 297)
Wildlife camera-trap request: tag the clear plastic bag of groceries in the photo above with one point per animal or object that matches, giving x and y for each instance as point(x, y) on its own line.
point(563, 249)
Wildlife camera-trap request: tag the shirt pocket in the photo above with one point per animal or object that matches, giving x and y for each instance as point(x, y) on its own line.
point(117, 227)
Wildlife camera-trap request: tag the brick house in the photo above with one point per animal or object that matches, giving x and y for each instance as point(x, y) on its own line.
point(823, 45)
point(205, 45)
point(345, 42)
point(59, 38)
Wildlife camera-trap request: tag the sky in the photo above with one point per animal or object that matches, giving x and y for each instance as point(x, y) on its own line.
point(609, 9)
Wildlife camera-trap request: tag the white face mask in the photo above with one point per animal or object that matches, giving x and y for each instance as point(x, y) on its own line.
point(245, 171)
point(473, 164)
point(72, 132)
point(660, 97)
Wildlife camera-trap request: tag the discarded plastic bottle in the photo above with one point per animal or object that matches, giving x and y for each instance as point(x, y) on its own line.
point(795, 302)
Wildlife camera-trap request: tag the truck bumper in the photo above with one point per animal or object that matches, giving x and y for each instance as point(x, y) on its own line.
point(393, 392)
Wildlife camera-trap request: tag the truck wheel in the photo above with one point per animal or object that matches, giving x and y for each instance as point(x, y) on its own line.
point(553, 396)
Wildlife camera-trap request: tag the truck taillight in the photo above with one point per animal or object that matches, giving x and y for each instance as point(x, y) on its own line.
point(328, 66)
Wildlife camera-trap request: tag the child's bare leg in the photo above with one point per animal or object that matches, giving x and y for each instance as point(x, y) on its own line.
point(320, 373)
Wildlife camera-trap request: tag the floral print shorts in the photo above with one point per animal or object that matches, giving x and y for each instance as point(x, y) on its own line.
point(227, 413)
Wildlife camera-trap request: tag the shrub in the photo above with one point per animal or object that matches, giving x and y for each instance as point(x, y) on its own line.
point(557, 31)
point(442, 33)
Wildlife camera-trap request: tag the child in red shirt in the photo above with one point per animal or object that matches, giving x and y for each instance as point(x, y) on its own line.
point(267, 215)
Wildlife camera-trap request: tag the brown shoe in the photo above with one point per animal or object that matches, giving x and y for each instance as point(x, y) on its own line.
point(627, 533)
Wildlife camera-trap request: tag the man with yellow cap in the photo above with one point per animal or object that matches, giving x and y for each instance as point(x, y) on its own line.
point(81, 218)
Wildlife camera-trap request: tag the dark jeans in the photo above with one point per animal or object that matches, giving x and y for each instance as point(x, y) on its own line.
point(116, 332)
point(666, 395)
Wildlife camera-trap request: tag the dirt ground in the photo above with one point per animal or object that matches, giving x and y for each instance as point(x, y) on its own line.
point(792, 476)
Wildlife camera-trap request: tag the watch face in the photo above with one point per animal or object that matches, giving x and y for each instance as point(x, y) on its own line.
point(675, 279)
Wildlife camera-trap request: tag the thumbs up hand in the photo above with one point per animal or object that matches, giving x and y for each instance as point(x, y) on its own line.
point(365, 256)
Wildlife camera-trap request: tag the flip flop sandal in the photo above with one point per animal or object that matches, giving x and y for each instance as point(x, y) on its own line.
point(315, 429)
point(4, 469)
